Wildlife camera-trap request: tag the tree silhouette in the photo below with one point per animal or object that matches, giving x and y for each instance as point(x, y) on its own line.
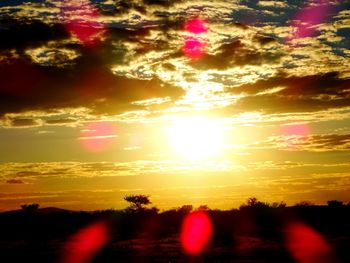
point(30, 207)
point(278, 205)
point(137, 202)
point(253, 202)
point(304, 203)
point(335, 203)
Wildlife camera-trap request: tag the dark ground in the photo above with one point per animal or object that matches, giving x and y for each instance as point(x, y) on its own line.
point(249, 235)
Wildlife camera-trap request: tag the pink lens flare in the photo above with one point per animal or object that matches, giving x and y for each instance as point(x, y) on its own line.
point(194, 47)
point(86, 243)
point(196, 26)
point(98, 136)
point(293, 135)
point(306, 245)
point(310, 16)
point(301, 129)
point(196, 232)
point(81, 21)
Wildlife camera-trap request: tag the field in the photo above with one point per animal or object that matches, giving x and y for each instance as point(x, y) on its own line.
point(302, 234)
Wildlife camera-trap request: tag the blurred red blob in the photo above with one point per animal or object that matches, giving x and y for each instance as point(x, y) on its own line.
point(196, 232)
point(194, 47)
point(196, 26)
point(86, 243)
point(309, 17)
point(295, 129)
point(306, 245)
point(98, 136)
point(294, 135)
point(81, 21)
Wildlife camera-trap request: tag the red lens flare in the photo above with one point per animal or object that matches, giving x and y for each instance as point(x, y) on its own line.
point(81, 21)
point(196, 26)
point(196, 232)
point(301, 129)
point(306, 245)
point(98, 136)
point(194, 48)
point(294, 135)
point(194, 45)
point(309, 17)
point(86, 243)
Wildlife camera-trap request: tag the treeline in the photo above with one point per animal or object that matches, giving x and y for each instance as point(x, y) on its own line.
point(257, 227)
point(254, 218)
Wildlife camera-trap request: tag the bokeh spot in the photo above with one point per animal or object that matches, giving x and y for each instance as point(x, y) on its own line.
point(196, 232)
point(98, 136)
point(86, 243)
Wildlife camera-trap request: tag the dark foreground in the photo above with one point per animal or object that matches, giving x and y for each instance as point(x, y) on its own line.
point(304, 234)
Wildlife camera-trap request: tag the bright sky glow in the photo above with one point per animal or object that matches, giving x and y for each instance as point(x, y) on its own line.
point(196, 137)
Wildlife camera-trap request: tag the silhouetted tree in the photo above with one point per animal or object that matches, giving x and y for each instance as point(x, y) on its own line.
point(203, 208)
point(304, 203)
point(278, 205)
point(253, 202)
point(30, 207)
point(185, 209)
point(335, 203)
point(137, 202)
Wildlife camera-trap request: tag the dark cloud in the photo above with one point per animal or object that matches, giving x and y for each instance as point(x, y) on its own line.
point(166, 3)
point(89, 83)
point(23, 122)
point(120, 7)
point(14, 181)
point(60, 121)
point(37, 84)
point(296, 94)
point(329, 83)
point(85, 79)
point(20, 34)
point(264, 40)
point(124, 6)
point(237, 53)
point(330, 141)
point(27, 174)
point(320, 143)
point(277, 104)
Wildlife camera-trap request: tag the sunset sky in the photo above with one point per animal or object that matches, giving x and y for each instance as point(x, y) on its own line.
point(190, 102)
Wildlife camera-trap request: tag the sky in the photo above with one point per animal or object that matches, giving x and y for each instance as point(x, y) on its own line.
point(190, 102)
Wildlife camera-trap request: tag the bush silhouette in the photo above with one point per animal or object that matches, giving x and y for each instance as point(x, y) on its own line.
point(304, 203)
point(253, 202)
point(137, 202)
point(30, 207)
point(335, 203)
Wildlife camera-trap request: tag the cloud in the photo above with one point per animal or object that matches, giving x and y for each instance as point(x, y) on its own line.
point(14, 181)
point(140, 58)
point(312, 143)
point(52, 55)
point(20, 35)
point(284, 93)
point(67, 121)
point(47, 88)
point(273, 4)
point(107, 169)
point(22, 123)
point(166, 3)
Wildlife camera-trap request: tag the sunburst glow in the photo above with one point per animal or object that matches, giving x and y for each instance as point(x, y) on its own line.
point(196, 137)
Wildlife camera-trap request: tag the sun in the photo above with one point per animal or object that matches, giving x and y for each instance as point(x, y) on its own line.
point(196, 137)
